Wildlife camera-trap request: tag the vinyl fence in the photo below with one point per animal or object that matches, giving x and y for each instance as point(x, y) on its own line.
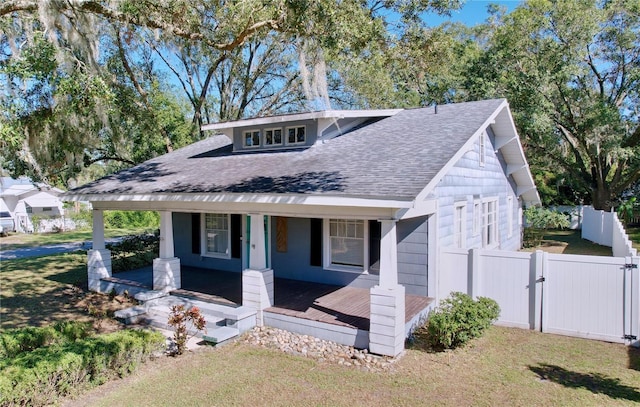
point(584, 296)
point(606, 229)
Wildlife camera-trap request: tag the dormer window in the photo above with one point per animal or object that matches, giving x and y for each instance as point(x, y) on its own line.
point(273, 137)
point(296, 135)
point(251, 138)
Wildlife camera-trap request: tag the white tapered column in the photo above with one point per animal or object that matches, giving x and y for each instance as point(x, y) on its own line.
point(166, 268)
point(98, 258)
point(257, 280)
point(387, 315)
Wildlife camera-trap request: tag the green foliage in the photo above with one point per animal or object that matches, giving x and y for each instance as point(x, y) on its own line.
point(459, 319)
point(629, 209)
point(543, 218)
point(133, 252)
point(569, 71)
point(42, 371)
point(538, 220)
point(131, 219)
point(181, 319)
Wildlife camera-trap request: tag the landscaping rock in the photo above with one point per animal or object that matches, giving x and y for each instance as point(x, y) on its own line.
point(318, 349)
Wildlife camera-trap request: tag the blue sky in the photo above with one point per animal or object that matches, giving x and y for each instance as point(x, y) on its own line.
point(473, 12)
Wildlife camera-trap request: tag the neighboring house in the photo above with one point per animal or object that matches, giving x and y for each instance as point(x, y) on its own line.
point(361, 199)
point(24, 199)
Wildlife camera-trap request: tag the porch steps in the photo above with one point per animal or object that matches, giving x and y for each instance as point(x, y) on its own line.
point(222, 322)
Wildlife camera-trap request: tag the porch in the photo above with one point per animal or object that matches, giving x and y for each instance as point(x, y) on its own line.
point(338, 313)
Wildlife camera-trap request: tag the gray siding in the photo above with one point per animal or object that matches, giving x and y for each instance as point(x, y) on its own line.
point(295, 262)
point(468, 181)
point(412, 255)
point(182, 245)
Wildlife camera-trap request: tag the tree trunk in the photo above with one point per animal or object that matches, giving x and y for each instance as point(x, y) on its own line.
point(601, 199)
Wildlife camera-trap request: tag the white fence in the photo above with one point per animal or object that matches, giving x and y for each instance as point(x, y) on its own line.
point(605, 228)
point(585, 296)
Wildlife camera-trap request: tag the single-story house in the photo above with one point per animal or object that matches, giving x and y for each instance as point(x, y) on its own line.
point(355, 199)
point(23, 198)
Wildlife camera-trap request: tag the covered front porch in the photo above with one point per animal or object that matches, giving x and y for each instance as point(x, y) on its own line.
point(337, 313)
point(377, 316)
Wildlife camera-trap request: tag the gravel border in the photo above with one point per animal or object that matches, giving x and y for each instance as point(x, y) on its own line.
point(318, 349)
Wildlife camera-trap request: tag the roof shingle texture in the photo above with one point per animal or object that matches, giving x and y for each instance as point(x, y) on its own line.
point(394, 158)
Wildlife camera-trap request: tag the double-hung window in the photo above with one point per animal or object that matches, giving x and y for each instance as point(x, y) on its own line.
point(296, 135)
point(490, 222)
point(459, 224)
point(347, 244)
point(216, 235)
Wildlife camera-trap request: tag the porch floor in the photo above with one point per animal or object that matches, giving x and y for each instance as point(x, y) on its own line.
point(336, 305)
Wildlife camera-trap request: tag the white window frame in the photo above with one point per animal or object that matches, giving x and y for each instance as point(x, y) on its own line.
point(204, 236)
point(477, 216)
point(482, 142)
point(327, 261)
point(286, 135)
point(490, 236)
point(252, 132)
point(273, 130)
point(509, 216)
point(460, 224)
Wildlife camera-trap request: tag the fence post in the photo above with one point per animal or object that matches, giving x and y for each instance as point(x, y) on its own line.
point(632, 301)
point(535, 290)
point(473, 281)
point(544, 303)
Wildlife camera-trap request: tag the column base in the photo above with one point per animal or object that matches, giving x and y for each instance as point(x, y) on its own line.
point(98, 267)
point(387, 327)
point(257, 291)
point(166, 274)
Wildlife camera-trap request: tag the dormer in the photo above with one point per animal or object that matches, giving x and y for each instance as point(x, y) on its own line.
point(299, 130)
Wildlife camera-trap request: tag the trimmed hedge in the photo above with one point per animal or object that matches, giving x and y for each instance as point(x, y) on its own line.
point(43, 364)
point(459, 319)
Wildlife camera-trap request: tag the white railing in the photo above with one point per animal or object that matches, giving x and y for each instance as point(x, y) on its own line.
point(585, 296)
point(605, 228)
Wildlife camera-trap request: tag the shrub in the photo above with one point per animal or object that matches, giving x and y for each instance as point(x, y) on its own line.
point(459, 319)
point(538, 220)
point(72, 361)
point(133, 252)
point(178, 319)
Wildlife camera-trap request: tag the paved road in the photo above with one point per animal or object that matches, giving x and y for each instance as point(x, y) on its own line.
point(47, 250)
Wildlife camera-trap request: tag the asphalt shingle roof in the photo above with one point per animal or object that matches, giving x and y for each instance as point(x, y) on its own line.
point(392, 158)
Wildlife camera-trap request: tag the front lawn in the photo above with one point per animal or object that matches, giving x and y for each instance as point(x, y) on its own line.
point(38, 291)
point(506, 367)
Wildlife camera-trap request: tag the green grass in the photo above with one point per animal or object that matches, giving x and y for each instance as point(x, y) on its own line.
point(18, 240)
point(634, 235)
point(505, 367)
point(569, 242)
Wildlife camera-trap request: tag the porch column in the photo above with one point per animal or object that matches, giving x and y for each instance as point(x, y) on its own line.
point(387, 315)
point(166, 268)
point(98, 258)
point(257, 280)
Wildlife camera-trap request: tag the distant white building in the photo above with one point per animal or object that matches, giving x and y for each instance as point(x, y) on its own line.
point(23, 198)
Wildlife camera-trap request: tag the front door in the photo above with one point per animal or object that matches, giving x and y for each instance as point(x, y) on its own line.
point(246, 253)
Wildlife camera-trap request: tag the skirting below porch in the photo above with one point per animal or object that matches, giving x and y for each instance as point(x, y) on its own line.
point(336, 313)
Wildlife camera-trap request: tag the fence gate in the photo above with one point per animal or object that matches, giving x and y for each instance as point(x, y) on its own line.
point(591, 297)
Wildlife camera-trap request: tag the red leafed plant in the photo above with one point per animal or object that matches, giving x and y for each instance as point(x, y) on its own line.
point(178, 319)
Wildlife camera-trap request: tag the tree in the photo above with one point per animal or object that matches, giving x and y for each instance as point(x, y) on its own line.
point(571, 71)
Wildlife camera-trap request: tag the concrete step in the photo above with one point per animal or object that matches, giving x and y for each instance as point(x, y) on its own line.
point(220, 334)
